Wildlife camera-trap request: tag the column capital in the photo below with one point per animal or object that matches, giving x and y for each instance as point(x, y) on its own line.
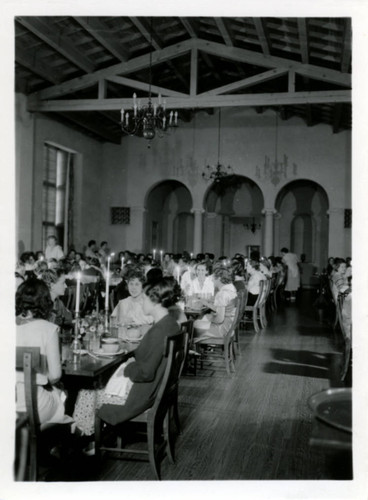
point(268, 211)
point(196, 211)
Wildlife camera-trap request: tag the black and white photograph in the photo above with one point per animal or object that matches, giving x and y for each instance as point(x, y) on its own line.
point(183, 204)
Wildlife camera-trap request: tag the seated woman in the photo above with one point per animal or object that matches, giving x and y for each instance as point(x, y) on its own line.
point(55, 281)
point(129, 311)
point(224, 306)
point(33, 307)
point(255, 277)
point(202, 283)
point(132, 388)
point(338, 276)
point(237, 270)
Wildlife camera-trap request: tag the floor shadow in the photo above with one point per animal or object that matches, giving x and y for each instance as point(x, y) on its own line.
point(302, 363)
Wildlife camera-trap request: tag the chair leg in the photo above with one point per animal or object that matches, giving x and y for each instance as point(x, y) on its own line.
point(176, 415)
point(151, 451)
point(33, 454)
point(170, 447)
point(255, 321)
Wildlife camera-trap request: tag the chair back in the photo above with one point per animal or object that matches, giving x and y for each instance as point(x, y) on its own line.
point(260, 295)
point(235, 322)
point(188, 328)
point(28, 360)
point(265, 292)
point(174, 352)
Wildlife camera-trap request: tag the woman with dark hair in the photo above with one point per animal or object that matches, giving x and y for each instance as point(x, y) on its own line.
point(33, 307)
point(55, 281)
point(237, 270)
point(132, 388)
point(129, 311)
point(223, 307)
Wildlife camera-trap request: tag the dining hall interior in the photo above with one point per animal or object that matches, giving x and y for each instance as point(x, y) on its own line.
point(182, 145)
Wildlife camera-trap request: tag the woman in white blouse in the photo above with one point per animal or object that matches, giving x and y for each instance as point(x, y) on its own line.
point(129, 311)
point(202, 283)
point(224, 306)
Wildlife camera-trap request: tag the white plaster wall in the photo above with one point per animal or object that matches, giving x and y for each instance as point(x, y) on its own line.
point(121, 175)
point(246, 138)
point(32, 131)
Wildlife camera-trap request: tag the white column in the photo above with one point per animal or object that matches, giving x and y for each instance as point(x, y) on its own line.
point(268, 231)
point(197, 240)
point(336, 233)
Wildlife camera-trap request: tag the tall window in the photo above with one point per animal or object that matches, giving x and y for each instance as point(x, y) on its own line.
point(57, 195)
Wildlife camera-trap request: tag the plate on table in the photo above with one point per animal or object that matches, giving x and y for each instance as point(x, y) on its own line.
point(333, 406)
point(102, 353)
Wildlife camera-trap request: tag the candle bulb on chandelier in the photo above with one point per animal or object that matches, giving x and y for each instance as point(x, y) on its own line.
point(176, 118)
point(170, 117)
point(122, 114)
point(159, 99)
point(127, 119)
point(154, 109)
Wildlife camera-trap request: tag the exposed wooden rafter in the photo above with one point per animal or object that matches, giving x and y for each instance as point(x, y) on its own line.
point(224, 31)
point(273, 99)
point(263, 38)
point(346, 52)
point(102, 34)
point(122, 68)
point(57, 41)
point(151, 38)
point(135, 84)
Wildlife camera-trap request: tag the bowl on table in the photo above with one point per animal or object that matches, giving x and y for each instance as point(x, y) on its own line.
point(110, 345)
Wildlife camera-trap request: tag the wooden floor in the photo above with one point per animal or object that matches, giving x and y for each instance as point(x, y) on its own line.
point(256, 424)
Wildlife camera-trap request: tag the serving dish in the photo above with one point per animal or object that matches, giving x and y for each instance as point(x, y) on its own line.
point(334, 407)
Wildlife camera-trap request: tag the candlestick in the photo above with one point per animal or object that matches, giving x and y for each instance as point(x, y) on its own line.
point(77, 294)
point(154, 254)
point(107, 282)
point(191, 255)
point(177, 274)
point(122, 263)
point(161, 254)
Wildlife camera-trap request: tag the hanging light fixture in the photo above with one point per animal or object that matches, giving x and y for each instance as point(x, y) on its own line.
point(219, 172)
point(252, 225)
point(151, 119)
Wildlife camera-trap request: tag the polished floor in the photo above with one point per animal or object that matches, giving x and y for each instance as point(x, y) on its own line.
point(256, 424)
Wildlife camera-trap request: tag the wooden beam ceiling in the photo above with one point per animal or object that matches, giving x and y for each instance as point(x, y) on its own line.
point(273, 99)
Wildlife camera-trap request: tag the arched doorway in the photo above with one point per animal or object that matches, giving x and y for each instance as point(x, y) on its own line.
point(232, 216)
point(303, 225)
point(169, 221)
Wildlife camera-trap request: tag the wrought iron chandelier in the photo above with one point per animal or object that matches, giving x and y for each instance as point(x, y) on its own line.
point(151, 119)
point(252, 225)
point(219, 172)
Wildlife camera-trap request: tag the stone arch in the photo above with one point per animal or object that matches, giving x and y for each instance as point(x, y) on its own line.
point(169, 220)
point(303, 226)
point(230, 205)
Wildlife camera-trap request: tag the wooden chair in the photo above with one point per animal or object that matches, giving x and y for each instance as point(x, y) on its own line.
point(157, 418)
point(28, 360)
point(223, 347)
point(254, 309)
point(277, 293)
point(261, 311)
point(242, 297)
point(346, 333)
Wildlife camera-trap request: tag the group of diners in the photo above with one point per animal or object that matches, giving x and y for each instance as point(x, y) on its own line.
point(150, 292)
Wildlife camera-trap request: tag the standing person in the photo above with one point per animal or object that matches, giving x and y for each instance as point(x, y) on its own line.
point(293, 276)
point(91, 252)
point(53, 250)
point(103, 252)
